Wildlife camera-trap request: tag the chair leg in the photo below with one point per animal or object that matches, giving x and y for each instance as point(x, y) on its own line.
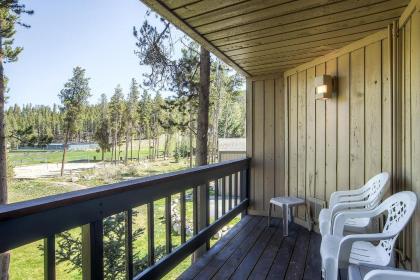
point(269, 214)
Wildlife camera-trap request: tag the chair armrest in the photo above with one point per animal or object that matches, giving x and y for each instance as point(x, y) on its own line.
point(347, 206)
point(346, 243)
point(340, 218)
point(335, 196)
point(391, 275)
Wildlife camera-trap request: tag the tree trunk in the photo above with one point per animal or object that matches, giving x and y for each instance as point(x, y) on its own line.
point(103, 154)
point(203, 109)
point(150, 148)
point(131, 145)
point(138, 152)
point(126, 147)
point(112, 149)
point(5, 257)
point(191, 139)
point(65, 150)
point(202, 137)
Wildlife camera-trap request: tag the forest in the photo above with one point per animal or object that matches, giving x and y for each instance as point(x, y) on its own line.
point(117, 122)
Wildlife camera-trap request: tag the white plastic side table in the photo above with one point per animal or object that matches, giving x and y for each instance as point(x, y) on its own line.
point(286, 203)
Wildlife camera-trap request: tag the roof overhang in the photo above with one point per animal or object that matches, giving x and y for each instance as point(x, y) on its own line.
point(262, 37)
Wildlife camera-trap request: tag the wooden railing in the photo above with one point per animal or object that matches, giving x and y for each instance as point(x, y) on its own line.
point(25, 222)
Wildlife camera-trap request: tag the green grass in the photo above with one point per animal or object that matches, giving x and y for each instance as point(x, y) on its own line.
point(27, 261)
point(28, 157)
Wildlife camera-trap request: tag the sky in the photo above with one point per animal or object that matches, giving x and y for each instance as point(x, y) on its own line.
point(94, 34)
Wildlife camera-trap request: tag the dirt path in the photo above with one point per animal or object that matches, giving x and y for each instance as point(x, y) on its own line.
point(48, 170)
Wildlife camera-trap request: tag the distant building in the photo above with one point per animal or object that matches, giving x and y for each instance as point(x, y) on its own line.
point(73, 146)
point(60, 146)
point(232, 148)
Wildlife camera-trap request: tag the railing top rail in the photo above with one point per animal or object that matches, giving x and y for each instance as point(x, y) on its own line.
point(190, 177)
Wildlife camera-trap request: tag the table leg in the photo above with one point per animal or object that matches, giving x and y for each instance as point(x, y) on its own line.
point(285, 209)
point(269, 214)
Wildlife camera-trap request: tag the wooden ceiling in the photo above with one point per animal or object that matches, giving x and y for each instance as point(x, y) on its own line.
point(258, 37)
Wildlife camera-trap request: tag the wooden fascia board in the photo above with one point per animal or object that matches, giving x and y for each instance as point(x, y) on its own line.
point(165, 12)
point(383, 34)
point(413, 6)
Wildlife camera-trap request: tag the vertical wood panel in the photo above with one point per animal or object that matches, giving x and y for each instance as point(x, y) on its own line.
point(320, 141)
point(331, 136)
point(286, 135)
point(310, 132)
point(415, 123)
point(386, 110)
point(357, 115)
point(293, 136)
point(407, 104)
point(343, 120)
point(406, 85)
point(279, 137)
point(259, 115)
point(301, 139)
point(268, 142)
point(373, 113)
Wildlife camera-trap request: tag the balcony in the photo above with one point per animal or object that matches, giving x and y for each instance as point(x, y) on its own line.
point(250, 249)
point(41, 219)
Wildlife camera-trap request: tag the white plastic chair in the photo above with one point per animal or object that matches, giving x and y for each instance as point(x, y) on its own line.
point(338, 251)
point(392, 275)
point(366, 197)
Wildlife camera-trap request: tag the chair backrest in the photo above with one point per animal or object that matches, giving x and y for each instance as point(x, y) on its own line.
point(375, 189)
point(399, 207)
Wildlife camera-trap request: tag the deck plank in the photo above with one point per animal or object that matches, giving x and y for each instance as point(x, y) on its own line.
point(251, 250)
point(298, 261)
point(263, 265)
point(250, 260)
point(313, 263)
point(281, 261)
point(202, 262)
point(236, 258)
point(217, 261)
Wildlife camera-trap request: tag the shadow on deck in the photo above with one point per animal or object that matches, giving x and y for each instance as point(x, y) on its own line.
point(251, 250)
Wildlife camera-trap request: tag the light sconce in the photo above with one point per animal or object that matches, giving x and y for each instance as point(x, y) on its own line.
point(324, 87)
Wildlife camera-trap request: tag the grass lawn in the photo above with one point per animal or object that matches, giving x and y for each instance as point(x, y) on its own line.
point(28, 157)
point(27, 261)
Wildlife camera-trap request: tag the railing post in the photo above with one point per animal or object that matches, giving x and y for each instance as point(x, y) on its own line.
point(216, 199)
point(183, 213)
point(244, 187)
point(223, 195)
point(230, 191)
point(151, 233)
point(92, 251)
point(129, 244)
point(49, 258)
point(168, 224)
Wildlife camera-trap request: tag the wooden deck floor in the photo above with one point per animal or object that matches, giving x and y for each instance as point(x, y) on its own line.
point(251, 250)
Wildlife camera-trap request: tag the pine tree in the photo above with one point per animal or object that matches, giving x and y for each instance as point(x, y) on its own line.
point(145, 112)
point(131, 115)
point(102, 133)
point(116, 108)
point(74, 97)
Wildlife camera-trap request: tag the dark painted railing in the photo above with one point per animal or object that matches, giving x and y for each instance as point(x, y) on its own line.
point(24, 222)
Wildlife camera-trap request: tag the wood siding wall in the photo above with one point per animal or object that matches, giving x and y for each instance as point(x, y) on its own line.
point(265, 140)
point(410, 125)
point(339, 143)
